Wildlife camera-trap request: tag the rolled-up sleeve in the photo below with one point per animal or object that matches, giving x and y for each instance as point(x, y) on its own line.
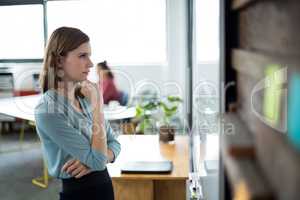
point(69, 139)
point(112, 143)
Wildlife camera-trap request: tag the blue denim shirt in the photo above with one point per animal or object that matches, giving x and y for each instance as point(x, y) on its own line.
point(66, 134)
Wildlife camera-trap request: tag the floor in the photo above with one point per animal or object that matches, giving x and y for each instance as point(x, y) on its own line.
point(19, 163)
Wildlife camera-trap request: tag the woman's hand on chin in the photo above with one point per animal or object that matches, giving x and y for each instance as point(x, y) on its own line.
point(92, 91)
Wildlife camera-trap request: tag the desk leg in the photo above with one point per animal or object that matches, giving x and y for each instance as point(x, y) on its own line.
point(170, 189)
point(43, 180)
point(149, 190)
point(133, 189)
point(22, 131)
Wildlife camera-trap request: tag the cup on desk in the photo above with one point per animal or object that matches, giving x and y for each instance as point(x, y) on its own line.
point(113, 105)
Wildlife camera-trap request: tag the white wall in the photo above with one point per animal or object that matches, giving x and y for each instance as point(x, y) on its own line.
point(170, 78)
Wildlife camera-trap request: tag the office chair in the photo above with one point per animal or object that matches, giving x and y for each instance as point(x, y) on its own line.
point(124, 98)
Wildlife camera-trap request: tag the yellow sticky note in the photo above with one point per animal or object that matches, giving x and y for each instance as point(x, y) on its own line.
point(272, 97)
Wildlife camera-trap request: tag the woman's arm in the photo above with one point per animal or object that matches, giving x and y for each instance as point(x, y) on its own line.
point(114, 147)
point(91, 91)
point(56, 127)
point(110, 156)
point(75, 168)
point(78, 169)
point(99, 141)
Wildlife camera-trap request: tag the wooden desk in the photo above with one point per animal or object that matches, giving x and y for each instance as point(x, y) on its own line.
point(151, 186)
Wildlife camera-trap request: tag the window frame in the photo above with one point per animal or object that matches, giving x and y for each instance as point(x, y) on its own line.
point(28, 2)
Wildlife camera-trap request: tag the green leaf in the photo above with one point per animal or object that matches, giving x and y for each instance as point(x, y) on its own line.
point(163, 105)
point(142, 126)
point(174, 99)
point(139, 111)
point(167, 109)
point(150, 106)
point(173, 109)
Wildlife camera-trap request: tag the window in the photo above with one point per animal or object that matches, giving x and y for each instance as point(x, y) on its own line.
point(121, 31)
point(21, 35)
point(207, 30)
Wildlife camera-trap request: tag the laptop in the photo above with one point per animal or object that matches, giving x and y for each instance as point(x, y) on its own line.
point(147, 167)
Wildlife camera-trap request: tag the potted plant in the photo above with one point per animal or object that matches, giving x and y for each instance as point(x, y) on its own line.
point(169, 108)
point(146, 113)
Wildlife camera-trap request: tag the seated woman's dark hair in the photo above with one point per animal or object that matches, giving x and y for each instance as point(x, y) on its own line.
point(103, 66)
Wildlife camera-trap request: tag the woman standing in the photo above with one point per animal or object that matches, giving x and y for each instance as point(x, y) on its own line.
point(77, 142)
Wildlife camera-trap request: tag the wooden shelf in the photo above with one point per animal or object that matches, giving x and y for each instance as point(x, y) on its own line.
point(279, 161)
point(238, 151)
point(246, 179)
point(239, 143)
point(263, 38)
point(254, 64)
point(241, 4)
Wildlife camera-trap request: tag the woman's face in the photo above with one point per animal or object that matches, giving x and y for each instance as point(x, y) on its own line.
point(77, 63)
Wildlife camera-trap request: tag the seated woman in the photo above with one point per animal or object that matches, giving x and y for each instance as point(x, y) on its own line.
point(110, 91)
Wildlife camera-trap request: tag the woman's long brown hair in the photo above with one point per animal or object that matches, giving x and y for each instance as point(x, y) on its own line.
point(62, 41)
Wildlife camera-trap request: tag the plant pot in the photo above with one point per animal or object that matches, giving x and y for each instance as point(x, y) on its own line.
point(166, 133)
point(128, 128)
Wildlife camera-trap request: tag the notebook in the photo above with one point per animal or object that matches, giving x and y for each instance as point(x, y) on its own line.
point(147, 167)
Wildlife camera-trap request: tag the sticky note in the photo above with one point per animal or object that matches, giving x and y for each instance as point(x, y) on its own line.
point(294, 110)
point(272, 96)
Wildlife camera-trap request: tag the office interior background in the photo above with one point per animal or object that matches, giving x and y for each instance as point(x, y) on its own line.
point(148, 45)
point(233, 63)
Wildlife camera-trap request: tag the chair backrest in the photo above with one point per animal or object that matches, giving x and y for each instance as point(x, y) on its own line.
point(6, 82)
point(35, 81)
point(124, 98)
point(6, 90)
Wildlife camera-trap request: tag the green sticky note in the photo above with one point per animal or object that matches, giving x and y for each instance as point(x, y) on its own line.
point(294, 111)
point(272, 97)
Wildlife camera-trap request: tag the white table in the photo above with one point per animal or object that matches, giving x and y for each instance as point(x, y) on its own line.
point(23, 107)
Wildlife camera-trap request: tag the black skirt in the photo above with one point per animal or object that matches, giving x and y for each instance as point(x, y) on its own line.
point(94, 186)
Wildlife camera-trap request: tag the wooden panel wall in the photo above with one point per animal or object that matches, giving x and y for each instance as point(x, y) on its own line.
point(267, 33)
point(271, 27)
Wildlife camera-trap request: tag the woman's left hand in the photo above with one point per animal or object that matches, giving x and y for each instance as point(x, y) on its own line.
point(76, 168)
